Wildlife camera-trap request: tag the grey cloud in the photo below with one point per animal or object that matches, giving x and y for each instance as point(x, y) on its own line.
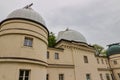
point(99, 21)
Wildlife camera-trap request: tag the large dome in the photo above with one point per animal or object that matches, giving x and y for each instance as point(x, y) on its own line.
point(113, 49)
point(71, 35)
point(27, 13)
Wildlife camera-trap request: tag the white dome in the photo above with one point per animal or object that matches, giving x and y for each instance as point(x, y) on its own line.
point(71, 35)
point(27, 13)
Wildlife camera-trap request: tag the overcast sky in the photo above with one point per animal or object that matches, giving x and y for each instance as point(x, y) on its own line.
point(97, 20)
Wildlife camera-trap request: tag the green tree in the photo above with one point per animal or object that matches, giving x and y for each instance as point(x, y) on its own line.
point(98, 48)
point(51, 40)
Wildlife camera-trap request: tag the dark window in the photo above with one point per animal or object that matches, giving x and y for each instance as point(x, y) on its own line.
point(115, 62)
point(107, 77)
point(85, 59)
point(56, 55)
point(88, 77)
point(28, 41)
point(106, 61)
point(119, 75)
point(98, 61)
point(102, 61)
point(101, 76)
point(48, 55)
point(47, 77)
point(61, 76)
point(24, 74)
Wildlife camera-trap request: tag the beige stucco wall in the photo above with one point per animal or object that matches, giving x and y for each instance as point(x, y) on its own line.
point(12, 40)
point(54, 73)
point(82, 68)
point(14, 55)
point(78, 51)
point(104, 72)
point(115, 67)
point(10, 71)
point(65, 56)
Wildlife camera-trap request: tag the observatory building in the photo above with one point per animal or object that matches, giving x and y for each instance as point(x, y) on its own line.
point(25, 55)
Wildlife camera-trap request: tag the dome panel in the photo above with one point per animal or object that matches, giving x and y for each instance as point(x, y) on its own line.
point(71, 35)
point(27, 13)
point(113, 49)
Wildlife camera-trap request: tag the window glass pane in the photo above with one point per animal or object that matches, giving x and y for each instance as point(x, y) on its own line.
point(115, 62)
point(87, 76)
point(21, 73)
point(28, 41)
point(101, 76)
point(20, 78)
point(102, 61)
point(61, 76)
point(26, 78)
point(56, 56)
point(47, 77)
point(48, 55)
point(107, 77)
point(97, 60)
point(85, 59)
point(26, 73)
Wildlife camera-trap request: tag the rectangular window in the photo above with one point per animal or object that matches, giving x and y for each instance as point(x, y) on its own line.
point(101, 76)
point(119, 75)
point(47, 77)
point(98, 61)
point(48, 55)
point(107, 77)
point(106, 61)
point(24, 74)
point(28, 41)
point(88, 77)
point(61, 76)
point(56, 55)
point(115, 62)
point(102, 61)
point(85, 59)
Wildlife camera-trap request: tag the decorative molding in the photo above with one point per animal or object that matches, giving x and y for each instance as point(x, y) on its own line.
point(27, 60)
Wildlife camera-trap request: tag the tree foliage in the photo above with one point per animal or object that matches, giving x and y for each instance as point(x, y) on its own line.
point(99, 49)
point(51, 40)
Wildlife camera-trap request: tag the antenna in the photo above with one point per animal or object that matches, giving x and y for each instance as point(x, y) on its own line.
point(28, 6)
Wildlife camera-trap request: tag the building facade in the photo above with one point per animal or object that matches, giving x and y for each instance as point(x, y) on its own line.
point(25, 55)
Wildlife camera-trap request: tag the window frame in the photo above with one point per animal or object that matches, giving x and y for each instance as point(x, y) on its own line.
point(23, 74)
point(88, 76)
point(47, 76)
point(85, 59)
point(28, 41)
point(118, 75)
point(61, 76)
point(98, 61)
point(48, 54)
point(102, 61)
point(56, 55)
point(101, 76)
point(107, 76)
point(115, 62)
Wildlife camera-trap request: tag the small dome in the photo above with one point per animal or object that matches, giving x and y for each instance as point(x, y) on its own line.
point(27, 13)
point(113, 49)
point(71, 35)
